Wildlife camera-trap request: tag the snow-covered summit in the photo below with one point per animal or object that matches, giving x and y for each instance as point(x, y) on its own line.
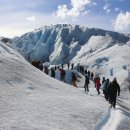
point(61, 42)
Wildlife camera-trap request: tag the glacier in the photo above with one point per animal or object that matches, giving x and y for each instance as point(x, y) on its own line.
point(61, 43)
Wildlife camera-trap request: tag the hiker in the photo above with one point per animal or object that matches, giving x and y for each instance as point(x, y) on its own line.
point(86, 83)
point(114, 89)
point(52, 73)
point(82, 69)
point(72, 66)
point(92, 75)
point(103, 80)
point(105, 88)
point(74, 78)
point(40, 66)
point(55, 67)
point(62, 72)
point(85, 72)
point(89, 74)
point(98, 84)
point(46, 71)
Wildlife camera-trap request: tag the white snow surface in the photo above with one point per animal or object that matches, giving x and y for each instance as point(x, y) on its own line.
point(31, 100)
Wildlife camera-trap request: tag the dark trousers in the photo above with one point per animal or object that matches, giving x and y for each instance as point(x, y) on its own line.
point(86, 87)
point(113, 101)
point(105, 94)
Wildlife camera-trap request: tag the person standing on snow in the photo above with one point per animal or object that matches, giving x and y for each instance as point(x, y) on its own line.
point(63, 73)
point(92, 75)
point(52, 72)
point(98, 84)
point(103, 80)
point(105, 88)
point(88, 73)
point(113, 90)
point(74, 78)
point(86, 83)
point(72, 66)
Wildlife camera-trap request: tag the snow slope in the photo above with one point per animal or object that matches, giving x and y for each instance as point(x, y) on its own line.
point(31, 100)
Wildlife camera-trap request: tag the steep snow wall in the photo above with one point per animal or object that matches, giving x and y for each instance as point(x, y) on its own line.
point(61, 43)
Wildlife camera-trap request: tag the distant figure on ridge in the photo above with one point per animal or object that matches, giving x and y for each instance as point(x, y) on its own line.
point(74, 79)
point(86, 83)
point(92, 75)
point(46, 71)
point(63, 73)
point(52, 72)
point(72, 66)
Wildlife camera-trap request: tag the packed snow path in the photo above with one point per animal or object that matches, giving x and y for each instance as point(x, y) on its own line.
point(114, 119)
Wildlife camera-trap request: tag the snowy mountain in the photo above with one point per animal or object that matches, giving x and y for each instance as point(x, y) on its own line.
point(98, 50)
point(60, 43)
point(31, 100)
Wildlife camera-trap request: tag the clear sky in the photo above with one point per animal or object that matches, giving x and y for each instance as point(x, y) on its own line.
point(20, 16)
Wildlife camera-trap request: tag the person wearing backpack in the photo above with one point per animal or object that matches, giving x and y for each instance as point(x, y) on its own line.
point(86, 83)
point(114, 89)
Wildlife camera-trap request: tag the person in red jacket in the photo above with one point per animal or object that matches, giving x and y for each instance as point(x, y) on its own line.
point(98, 84)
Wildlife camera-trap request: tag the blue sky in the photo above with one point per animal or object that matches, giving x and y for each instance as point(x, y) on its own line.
point(18, 17)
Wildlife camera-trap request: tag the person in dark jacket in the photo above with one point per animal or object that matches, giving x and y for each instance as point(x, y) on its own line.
point(105, 88)
point(52, 72)
point(86, 83)
point(62, 73)
point(46, 71)
point(72, 66)
point(74, 79)
point(113, 90)
point(89, 74)
point(103, 80)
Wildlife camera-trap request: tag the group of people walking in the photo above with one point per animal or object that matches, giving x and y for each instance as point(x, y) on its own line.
point(110, 89)
point(60, 68)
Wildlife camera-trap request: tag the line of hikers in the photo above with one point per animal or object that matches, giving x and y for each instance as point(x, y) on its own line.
point(52, 71)
point(110, 89)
